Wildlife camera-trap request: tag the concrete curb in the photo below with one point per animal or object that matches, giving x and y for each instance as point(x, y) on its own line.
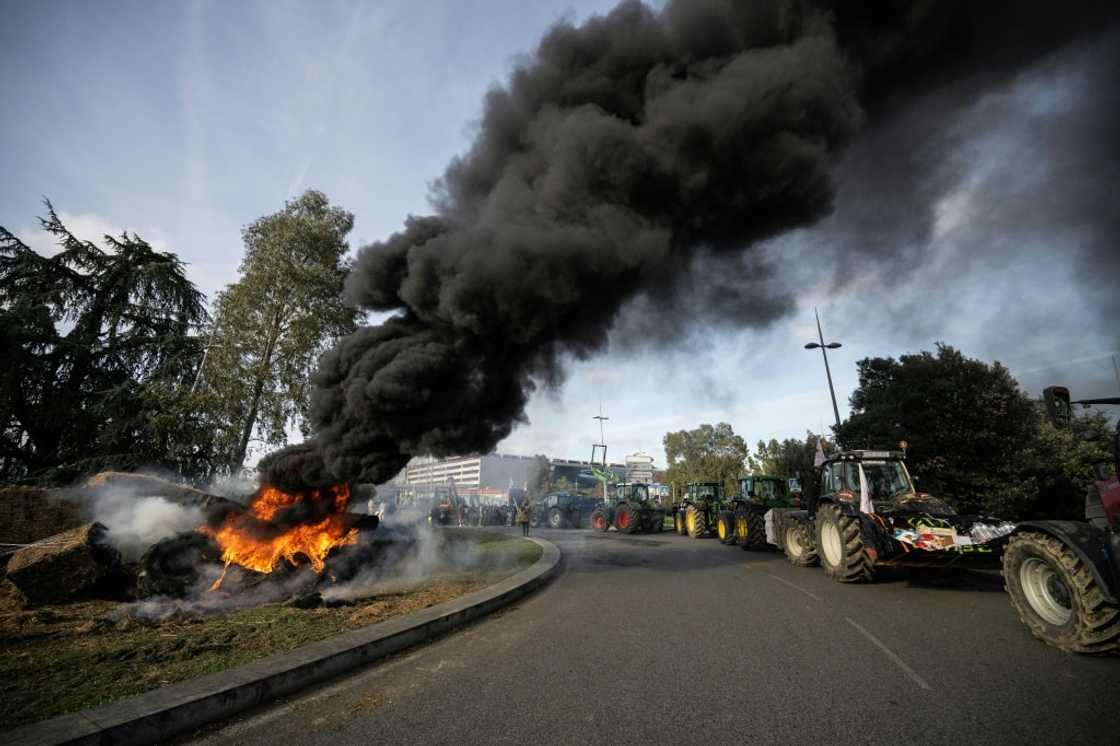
point(181, 708)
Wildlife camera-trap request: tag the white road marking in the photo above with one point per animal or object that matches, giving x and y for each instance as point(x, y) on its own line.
point(890, 654)
point(813, 596)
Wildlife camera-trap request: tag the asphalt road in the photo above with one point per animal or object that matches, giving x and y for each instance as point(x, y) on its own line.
point(666, 639)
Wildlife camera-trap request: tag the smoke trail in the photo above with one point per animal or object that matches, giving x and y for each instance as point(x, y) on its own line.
point(622, 150)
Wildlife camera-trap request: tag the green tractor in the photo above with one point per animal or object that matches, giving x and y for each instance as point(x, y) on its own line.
point(699, 511)
point(758, 494)
point(629, 509)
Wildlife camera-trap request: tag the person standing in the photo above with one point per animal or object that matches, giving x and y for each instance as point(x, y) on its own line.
point(523, 516)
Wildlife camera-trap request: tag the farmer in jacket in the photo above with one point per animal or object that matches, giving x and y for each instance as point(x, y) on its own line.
point(523, 516)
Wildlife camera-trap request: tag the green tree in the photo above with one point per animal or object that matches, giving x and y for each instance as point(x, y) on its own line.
point(1058, 466)
point(539, 475)
point(967, 424)
point(791, 457)
point(273, 323)
point(98, 346)
point(710, 453)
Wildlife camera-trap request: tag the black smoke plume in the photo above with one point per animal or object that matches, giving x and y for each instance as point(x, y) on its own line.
point(622, 150)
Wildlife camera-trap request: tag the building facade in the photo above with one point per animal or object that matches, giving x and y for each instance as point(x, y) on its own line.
point(494, 471)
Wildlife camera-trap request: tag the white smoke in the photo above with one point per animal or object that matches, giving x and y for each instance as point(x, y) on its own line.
point(135, 522)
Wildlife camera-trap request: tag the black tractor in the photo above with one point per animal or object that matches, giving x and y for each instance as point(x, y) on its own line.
point(1063, 577)
point(629, 509)
point(869, 515)
point(562, 510)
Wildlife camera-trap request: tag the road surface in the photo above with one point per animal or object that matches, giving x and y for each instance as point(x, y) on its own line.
point(666, 639)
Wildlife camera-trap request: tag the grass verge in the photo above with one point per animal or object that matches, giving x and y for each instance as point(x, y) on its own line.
point(59, 659)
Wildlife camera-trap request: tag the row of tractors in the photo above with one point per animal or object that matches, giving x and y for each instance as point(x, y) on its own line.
point(1063, 577)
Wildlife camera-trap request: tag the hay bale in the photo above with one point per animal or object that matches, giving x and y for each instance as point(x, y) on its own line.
point(63, 567)
point(28, 514)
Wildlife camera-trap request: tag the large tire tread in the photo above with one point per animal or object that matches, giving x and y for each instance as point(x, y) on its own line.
point(808, 556)
point(756, 531)
point(856, 565)
point(699, 527)
point(1098, 629)
point(725, 522)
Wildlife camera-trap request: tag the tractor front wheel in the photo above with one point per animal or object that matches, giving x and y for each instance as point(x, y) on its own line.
point(697, 521)
point(679, 522)
point(1057, 596)
point(798, 545)
point(725, 527)
point(840, 546)
point(599, 520)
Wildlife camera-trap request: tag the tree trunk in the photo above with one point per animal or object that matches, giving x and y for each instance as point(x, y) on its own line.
point(258, 389)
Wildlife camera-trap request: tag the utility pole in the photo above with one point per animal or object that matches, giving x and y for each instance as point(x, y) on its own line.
point(601, 444)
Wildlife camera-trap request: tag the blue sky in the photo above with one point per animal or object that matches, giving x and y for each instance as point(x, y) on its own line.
point(184, 121)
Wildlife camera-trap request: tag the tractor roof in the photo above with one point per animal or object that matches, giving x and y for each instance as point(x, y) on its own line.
point(866, 456)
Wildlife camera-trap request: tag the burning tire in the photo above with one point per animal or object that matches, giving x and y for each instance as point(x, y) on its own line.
point(1056, 596)
point(626, 519)
point(679, 522)
point(697, 522)
point(798, 545)
point(725, 527)
point(840, 546)
point(599, 520)
point(555, 518)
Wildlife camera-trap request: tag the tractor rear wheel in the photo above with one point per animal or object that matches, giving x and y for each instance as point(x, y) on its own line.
point(840, 546)
point(555, 518)
point(1057, 596)
point(725, 527)
point(599, 520)
point(679, 522)
point(626, 518)
point(697, 521)
point(756, 531)
point(798, 545)
point(742, 526)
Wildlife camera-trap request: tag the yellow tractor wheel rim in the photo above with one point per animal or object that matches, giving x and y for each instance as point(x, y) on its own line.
point(722, 529)
point(691, 519)
point(741, 527)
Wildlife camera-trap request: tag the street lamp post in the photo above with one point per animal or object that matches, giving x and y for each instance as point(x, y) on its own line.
point(827, 372)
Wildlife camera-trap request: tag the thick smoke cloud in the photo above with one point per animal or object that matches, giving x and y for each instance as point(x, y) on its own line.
point(623, 150)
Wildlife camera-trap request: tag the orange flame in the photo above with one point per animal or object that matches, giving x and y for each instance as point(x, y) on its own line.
point(312, 540)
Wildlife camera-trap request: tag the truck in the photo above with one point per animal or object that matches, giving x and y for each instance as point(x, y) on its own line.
point(869, 515)
point(1063, 576)
point(629, 509)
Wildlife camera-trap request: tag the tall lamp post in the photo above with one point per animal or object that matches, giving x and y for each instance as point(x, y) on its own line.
point(827, 372)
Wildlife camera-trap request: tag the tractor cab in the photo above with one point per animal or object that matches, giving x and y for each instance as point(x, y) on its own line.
point(890, 487)
point(636, 492)
point(760, 489)
point(704, 492)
